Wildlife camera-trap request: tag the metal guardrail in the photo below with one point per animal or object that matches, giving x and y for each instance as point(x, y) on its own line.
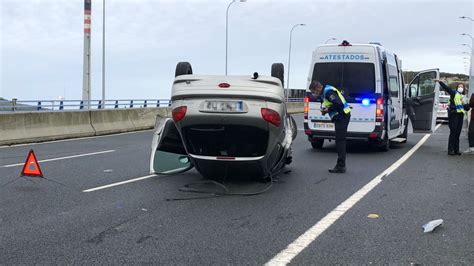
point(70, 105)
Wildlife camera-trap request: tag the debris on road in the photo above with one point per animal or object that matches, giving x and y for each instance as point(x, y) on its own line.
point(108, 170)
point(432, 225)
point(145, 210)
point(373, 216)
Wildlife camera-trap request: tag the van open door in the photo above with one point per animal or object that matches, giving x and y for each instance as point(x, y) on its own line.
point(421, 101)
point(168, 154)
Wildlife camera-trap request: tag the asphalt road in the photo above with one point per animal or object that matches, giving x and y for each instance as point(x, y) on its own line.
point(54, 221)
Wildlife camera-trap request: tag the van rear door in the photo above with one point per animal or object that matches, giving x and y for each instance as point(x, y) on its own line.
point(421, 101)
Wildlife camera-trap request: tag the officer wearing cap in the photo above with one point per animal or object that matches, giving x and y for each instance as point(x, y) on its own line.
point(334, 104)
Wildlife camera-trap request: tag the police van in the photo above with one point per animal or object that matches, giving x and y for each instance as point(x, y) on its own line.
point(370, 78)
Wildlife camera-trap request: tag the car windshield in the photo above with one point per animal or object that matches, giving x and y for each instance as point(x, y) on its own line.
point(353, 79)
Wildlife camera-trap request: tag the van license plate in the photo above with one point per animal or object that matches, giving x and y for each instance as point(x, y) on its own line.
point(223, 106)
point(324, 125)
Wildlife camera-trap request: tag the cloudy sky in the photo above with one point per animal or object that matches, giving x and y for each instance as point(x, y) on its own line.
point(41, 41)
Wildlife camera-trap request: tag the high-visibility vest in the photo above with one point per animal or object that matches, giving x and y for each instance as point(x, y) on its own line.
point(458, 103)
point(328, 104)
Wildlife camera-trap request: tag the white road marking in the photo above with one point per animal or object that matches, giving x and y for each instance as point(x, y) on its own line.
point(73, 139)
point(61, 158)
point(296, 247)
point(119, 183)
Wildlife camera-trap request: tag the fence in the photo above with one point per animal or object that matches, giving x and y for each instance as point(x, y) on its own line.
point(64, 105)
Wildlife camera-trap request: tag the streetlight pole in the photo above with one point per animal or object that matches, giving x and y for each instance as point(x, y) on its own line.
point(330, 39)
point(289, 59)
point(227, 32)
point(103, 54)
point(471, 68)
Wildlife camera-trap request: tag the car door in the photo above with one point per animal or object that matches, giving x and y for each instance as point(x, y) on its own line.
point(421, 101)
point(395, 94)
point(168, 154)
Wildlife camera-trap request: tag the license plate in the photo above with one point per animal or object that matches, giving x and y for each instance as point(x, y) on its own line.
point(224, 106)
point(324, 125)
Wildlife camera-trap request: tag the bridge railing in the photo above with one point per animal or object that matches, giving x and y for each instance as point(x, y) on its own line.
point(71, 105)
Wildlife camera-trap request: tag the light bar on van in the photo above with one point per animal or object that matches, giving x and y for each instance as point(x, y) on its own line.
point(365, 102)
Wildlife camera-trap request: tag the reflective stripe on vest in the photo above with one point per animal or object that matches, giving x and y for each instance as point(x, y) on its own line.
point(458, 103)
point(328, 104)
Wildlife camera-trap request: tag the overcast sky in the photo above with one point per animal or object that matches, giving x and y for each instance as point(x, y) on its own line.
point(42, 40)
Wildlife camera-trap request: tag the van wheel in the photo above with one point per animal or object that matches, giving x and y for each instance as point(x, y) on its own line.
point(317, 143)
point(405, 133)
point(384, 145)
point(278, 71)
point(183, 68)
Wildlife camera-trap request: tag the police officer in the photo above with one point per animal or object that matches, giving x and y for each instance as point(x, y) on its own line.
point(455, 116)
point(334, 104)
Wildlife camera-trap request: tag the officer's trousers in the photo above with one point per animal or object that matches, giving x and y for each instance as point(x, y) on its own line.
point(340, 124)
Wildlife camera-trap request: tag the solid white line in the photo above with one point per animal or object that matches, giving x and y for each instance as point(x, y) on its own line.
point(119, 183)
point(296, 247)
point(73, 139)
point(61, 158)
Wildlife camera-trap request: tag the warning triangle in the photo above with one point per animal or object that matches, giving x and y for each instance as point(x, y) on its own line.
point(31, 167)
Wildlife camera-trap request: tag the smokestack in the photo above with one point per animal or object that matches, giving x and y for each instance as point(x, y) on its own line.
point(86, 81)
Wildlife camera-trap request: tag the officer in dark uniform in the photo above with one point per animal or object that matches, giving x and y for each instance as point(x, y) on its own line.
point(334, 104)
point(455, 115)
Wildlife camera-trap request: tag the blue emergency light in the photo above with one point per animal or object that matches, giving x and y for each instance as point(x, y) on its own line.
point(365, 102)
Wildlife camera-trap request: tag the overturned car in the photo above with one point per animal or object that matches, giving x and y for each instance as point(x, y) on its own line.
point(224, 126)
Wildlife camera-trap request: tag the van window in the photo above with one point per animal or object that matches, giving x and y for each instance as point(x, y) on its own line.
point(427, 84)
point(353, 79)
point(393, 87)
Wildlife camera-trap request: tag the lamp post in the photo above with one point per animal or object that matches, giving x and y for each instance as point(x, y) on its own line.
point(227, 31)
point(471, 70)
point(289, 59)
point(330, 39)
point(103, 54)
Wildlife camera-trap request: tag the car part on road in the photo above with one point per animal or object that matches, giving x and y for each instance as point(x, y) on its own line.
point(432, 225)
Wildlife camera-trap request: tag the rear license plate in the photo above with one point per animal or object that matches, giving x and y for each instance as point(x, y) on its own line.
point(324, 125)
point(223, 106)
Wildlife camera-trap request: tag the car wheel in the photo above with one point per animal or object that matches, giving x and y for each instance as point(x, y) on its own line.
point(317, 143)
point(183, 68)
point(278, 71)
point(294, 128)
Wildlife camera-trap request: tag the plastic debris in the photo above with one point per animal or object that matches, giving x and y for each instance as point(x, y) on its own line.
point(145, 210)
point(373, 216)
point(432, 225)
point(108, 171)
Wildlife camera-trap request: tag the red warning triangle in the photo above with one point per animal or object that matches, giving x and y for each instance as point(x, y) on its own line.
point(31, 167)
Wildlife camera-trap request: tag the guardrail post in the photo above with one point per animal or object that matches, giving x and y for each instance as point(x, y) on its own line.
point(169, 103)
point(14, 104)
point(61, 105)
point(158, 103)
point(116, 104)
point(144, 104)
point(39, 106)
point(81, 106)
point(99, 105)
point(131, 103)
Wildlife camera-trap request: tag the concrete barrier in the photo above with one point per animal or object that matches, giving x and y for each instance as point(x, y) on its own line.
point(18, 128)
point(294, 108)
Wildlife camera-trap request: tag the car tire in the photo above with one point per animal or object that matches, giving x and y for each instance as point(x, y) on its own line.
point(317, 143)
point(183, 68)
point(278, 71)
point(294, 128)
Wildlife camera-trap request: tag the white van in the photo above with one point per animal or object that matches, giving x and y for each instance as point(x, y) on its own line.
point(371, 80)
